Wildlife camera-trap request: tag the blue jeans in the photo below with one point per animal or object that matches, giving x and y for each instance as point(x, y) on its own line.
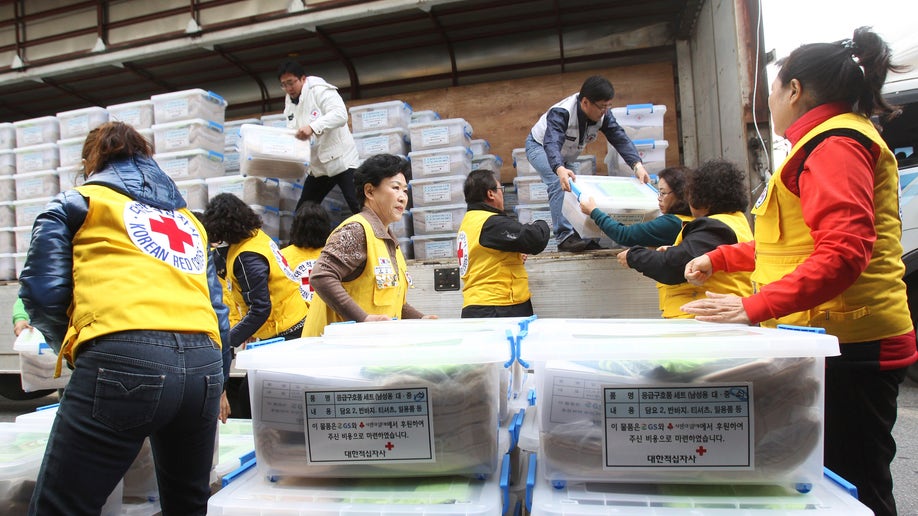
point(535, 153)
point(125, 387)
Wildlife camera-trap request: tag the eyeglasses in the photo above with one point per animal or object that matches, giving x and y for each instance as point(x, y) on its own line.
point(289, 83)
point(600, 106)
point(498, 188)
point(662, 194)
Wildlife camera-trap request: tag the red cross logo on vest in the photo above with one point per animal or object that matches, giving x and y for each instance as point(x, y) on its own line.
point(304, 281)
point(178, 239)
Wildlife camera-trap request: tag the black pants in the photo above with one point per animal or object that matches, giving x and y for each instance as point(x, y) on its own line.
point(860, 414)
point(523, 309)
point(316, 188)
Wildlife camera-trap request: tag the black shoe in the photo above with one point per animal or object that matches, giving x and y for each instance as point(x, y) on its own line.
point(573, 244)
point(593, 245)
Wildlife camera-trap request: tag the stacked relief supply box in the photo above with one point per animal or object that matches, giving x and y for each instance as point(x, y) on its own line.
point(188, 138)
point(7, 198)
point(440, 161)
point(643, 123)
point(356, 428)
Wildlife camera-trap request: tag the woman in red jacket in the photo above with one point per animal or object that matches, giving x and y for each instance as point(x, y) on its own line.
point(826, 251)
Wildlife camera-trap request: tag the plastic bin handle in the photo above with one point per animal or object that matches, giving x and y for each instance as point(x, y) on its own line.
point(266, 342)
point(636, 107)
point(220, 100)
point(807, 329)
point(575, 189)
point(530, 481)
point(651, 142)
point(505, 482)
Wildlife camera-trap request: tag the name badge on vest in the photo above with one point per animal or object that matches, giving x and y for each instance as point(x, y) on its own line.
point(386, 275)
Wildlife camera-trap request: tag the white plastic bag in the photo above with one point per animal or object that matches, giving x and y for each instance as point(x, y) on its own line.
point(37, 362)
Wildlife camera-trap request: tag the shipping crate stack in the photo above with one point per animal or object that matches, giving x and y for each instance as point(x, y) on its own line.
point(440, 161)
point(7, 202)
point(643, 123)
point(382, 128)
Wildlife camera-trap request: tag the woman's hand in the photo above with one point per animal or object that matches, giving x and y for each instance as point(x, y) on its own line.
point(430, 317)
point(20, 326)
point(722, 308)
point(699, 270)
point(623, 258)
point(641, 173)
point(587, 205)
point(224, 408)
point(377, 317)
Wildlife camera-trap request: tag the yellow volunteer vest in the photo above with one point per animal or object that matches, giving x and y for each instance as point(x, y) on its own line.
point(491, 277)
point(875, 306)
point(382, 287)
point(136, 267)
point(674, 296)
point(301, 261)
point(738, 283)
point(287, 306)
point(235, 314)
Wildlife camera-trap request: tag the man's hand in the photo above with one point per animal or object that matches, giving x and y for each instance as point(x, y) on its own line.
point(566, 175)
point(623, 258)
point(641, 173)
point(587, 205)
point(304, 133)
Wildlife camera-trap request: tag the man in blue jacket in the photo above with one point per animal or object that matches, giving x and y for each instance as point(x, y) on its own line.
point(559, 137)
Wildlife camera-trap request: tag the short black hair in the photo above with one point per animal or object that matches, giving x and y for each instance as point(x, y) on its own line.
point(375, 169)
point(311, 226)
point(228, 219)
point(675, 178)
point(292, 67)
point(597, 89)
point(719, 186)
point(478, 183)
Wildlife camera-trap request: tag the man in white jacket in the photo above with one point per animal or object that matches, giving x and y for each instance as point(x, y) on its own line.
point(316, 110)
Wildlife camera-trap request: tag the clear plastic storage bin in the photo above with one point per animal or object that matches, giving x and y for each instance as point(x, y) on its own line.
point(530, 190)
point(36, 131)
point(190, 164)
point(78, 122)
point(8, 214)
point(22, 238)
point(653, 156)
point(195, 133)
point(625, 199)
point(437, 191)
point(437, 219)
point(480, 147)
point(231, 130)
point(138, 113)
point(69, 177)
point(449, 132)
point(380, 115)
point(263, 191)
point(266, 151)
point(7, 162)
point(188, 104)
point(70, 151)
point(585, 164)
point(7, 135)
point(441, 245)
point(7, 188)
point(403, 227)
point(8, 240)
point(33, 158)
point(27, 210)
point(521, 163)
point(487, 161)
point(270, 219)
point(528, 213)
point(31, 185)
point(641, 121)
point(425, 115)
point(393, 140)
point(440, 162)
point(279, 120)
point(424, 404)
point(194, 191)
point(678, 401)
point(407, 247)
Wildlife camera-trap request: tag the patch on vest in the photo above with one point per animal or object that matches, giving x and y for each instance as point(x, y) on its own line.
point(463, 253)
point(386, 275)
point(762, 196)
point(301, 274)
point(169, 236)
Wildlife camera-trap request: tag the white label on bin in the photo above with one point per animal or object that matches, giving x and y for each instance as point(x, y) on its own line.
point(541, 215)
point(176, 168)
point(129, 116)
point(31, 135)
point(78, 125)
point(439, 164)
point(685, 427)
point(436, 222)
point(176, 108)
point(440, 249)
point(32, 162)
point(538, 192)
point(375, 145)
point(176, 138)
point(369, 425)
point(375, 118)
point(434, 136)
point(437, 193)
point(32, 187)
point(275, 145)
